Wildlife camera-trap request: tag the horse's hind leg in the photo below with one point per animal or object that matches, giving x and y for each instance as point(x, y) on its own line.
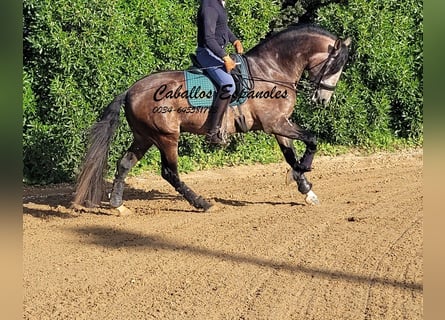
point(130, 158)
point(304, 186)
point(168, 146)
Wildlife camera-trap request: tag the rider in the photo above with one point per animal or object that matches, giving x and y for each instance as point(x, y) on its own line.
point(213, 36)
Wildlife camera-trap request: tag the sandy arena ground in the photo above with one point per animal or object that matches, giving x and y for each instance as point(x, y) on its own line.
point(263, 254)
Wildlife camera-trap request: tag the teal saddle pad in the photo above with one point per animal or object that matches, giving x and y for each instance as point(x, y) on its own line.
point(202, 91)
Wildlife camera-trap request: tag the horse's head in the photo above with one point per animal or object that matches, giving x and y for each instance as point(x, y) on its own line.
point(325, 69)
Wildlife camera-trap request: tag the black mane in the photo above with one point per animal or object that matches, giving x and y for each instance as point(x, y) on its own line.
point(291, 33)
point(290, 36)
point(307, 28)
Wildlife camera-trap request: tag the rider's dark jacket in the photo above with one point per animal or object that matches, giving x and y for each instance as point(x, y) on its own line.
point(213, 30)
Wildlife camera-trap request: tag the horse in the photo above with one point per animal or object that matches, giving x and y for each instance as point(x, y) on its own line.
point(152, 108)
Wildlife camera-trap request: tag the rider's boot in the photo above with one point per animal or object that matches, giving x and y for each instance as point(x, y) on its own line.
point(216, 114)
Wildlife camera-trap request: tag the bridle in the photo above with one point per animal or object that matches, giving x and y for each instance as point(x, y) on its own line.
point(321, 74)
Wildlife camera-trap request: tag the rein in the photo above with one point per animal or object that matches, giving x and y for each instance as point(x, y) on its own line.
point(286, 84)
point(296, 85)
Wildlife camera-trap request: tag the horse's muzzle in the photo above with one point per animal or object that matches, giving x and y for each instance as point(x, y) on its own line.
point(321, 97)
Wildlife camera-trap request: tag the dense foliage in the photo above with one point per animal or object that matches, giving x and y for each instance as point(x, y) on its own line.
point(77, 55)
point(381, 95)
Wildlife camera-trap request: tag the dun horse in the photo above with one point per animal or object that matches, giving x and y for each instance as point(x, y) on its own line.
point(152, 106)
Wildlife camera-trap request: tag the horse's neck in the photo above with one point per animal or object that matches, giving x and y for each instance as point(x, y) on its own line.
point(278, 64)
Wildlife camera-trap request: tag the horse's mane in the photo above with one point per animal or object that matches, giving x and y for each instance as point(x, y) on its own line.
point(290, 35)
point(307, 28)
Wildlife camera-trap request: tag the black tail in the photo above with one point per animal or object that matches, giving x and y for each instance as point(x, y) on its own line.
point(90, 182)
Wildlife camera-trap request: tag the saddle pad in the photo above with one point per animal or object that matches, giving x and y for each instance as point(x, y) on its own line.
point(201, 90)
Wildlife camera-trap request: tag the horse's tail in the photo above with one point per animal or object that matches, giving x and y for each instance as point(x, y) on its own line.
point(90, 181)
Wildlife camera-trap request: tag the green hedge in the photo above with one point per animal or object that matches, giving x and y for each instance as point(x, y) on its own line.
point(381, 94)
point(78, 55)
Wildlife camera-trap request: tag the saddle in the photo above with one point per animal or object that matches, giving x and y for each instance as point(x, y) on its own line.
point(199, 81)
point(240, 75)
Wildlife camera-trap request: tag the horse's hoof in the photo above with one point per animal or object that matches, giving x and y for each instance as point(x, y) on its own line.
point(116, 201)
point(212, 207)
point(311, 198)
point(123, 211)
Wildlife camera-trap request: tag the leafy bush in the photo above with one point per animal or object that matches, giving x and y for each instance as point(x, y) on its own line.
point(79, 54)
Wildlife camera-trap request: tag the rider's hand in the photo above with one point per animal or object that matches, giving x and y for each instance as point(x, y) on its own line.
point(229, 63)
point(238, 46)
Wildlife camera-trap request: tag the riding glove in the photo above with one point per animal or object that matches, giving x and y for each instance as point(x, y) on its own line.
point(238, 46)
point(229, 63)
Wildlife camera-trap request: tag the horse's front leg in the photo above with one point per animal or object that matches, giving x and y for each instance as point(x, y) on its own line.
point(288, 129)
point(304, 186)
point(299, 167)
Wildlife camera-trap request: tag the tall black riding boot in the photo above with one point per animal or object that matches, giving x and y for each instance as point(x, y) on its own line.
point(216, 115)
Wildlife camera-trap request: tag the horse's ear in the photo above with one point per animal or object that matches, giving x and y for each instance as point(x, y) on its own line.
point(347, 41)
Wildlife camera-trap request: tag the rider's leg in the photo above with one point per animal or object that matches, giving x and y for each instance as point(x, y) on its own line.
point(216, 70)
